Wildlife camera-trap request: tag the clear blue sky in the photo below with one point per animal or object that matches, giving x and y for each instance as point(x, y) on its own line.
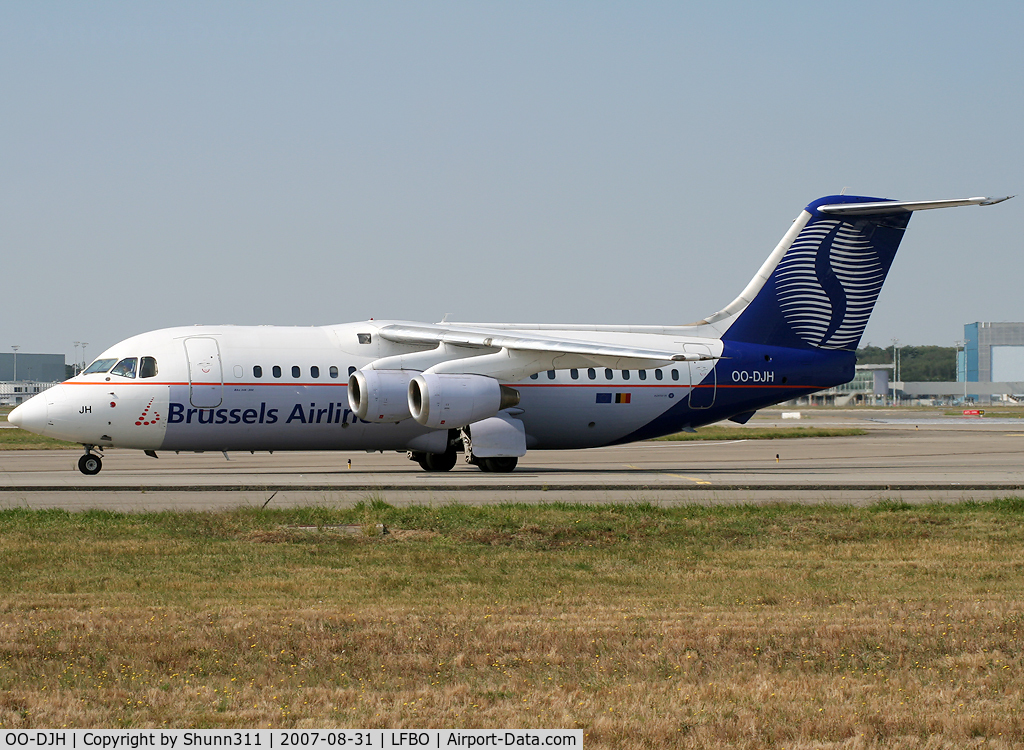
point(311, 163)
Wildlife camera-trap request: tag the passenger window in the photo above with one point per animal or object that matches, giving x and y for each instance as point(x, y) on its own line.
point(125, 368)
point(296, 372)
point(574, 374)
point(257, 371)
point(643, 374)
point(277, 371)
point(659, 375)
point(675, 374)
point(334, 371)
point(625, 374)
point(591, 373)
point(535, 376)
point(608, 374)
point(350, 371)
point(147, 367)
point(314, 372)
point(100, 365)
point(551, 374)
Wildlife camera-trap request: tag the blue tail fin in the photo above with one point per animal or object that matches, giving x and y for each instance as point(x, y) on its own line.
point(819, 287)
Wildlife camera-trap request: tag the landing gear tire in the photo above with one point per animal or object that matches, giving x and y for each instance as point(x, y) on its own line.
point(502, 465)
point(438, 461)
point(90, 464)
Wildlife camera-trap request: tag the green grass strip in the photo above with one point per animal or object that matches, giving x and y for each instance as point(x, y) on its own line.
point(719, 432)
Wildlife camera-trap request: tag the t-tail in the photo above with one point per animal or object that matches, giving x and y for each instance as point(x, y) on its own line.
point(818, 287)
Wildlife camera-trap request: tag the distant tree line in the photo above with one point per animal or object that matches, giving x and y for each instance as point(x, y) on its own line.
point(917, 363)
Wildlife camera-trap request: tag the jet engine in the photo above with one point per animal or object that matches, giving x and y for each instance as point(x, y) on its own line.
point(380, 395)
point(450, 400)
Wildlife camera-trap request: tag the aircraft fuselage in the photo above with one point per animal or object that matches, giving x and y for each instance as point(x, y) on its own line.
point(281, 388)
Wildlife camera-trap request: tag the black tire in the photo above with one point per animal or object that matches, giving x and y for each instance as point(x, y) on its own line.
point(438, 461)
point(502, 465)
point(90, 464)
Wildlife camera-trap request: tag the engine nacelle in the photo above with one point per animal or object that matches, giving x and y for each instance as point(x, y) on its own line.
point(450, 400)
point(380, 395)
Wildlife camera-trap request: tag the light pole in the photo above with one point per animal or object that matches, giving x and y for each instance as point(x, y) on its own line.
point(958, 344)
point(966, 342)
point(16, 348)
point(76, 368)
point(894, 373)
point(84, 344)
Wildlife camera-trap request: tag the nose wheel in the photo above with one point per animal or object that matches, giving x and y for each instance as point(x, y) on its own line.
point(90, 464)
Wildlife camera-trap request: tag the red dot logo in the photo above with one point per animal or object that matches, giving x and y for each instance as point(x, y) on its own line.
point(144, 419)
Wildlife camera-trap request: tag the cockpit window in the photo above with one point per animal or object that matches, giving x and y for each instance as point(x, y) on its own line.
point(147, 367)
point(125, 368)
point(100, 365)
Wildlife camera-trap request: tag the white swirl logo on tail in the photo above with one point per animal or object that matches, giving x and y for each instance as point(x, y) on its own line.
point(827, 284)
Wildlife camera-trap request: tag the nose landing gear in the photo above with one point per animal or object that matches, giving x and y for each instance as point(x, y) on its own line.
point(90, 464)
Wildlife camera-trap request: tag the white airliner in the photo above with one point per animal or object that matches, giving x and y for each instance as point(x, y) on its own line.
point(493, 391)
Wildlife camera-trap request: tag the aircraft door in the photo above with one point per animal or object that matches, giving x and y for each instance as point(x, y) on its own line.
point(703, 394)
point(205, 376)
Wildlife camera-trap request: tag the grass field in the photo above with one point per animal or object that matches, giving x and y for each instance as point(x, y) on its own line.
point(768, 627)
point(14, 439)
point(721, 432)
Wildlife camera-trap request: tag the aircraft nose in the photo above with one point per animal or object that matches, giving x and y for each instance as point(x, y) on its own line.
point(30, 415)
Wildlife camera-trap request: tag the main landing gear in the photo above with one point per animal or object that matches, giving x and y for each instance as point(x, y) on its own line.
point(90, 464)
point(437, 461)
point(446, 462)
point(501, 465)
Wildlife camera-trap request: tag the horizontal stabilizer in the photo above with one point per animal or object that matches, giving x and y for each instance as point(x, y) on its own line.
point(899, 207)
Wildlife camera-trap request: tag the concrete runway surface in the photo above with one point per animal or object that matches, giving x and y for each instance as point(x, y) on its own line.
point(915, 457)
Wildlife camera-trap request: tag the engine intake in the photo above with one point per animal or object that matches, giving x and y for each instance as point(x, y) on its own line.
point(450, 400)
point(380, 395)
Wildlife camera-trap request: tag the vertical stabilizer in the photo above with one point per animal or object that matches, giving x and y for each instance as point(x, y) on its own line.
point(819, 288)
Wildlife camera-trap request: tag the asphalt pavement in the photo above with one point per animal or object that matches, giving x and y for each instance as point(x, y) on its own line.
point(910, 456)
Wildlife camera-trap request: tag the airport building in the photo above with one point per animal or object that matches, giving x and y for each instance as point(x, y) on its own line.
point(992, 353)
point(12, 394)
point(990, 368)
point(24, 375)
point(42, 367)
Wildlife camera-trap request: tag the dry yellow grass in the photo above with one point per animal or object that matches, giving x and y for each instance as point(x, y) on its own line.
point(775, 627)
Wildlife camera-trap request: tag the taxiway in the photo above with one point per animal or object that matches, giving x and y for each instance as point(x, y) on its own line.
point(904, 457)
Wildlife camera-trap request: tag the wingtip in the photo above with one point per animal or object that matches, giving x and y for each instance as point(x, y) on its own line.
point(993, 201)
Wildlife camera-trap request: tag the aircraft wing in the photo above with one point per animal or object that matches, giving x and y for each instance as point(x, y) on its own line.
point(487, 339)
